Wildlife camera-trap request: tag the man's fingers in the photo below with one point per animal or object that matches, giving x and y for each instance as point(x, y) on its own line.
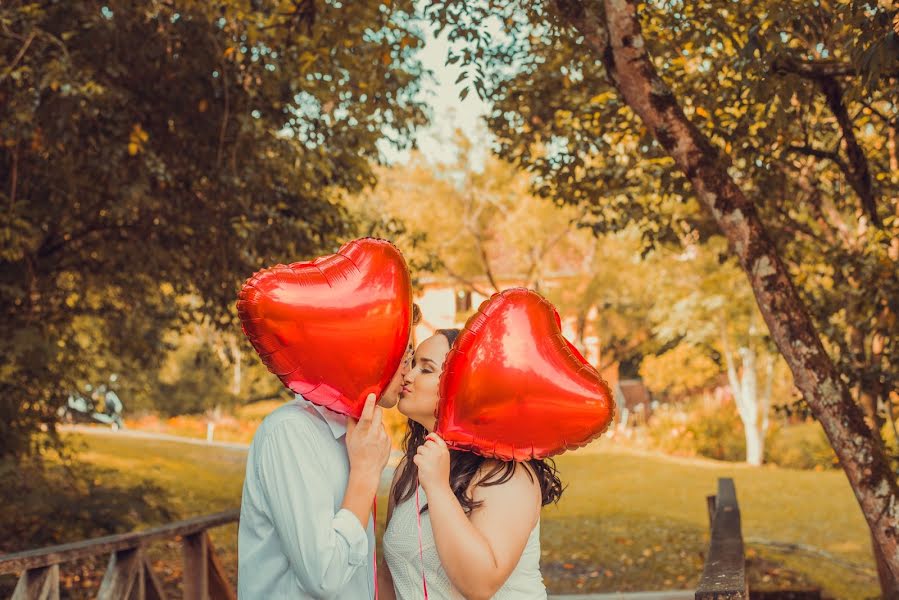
point(369, 408)
point(376, 416)
point(350, 424)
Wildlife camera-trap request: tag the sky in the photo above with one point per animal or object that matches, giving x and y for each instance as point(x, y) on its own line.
point(448, 112)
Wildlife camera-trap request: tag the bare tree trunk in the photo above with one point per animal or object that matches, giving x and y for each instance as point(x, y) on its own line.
point(744, 386)
point(749, 410)
point(615, 37)
point(237, 379)
point(765, 405)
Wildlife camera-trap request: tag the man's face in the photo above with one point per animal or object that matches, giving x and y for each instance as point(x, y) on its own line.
point(391, 394)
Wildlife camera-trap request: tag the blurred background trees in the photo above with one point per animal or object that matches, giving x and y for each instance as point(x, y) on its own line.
point(154, 156)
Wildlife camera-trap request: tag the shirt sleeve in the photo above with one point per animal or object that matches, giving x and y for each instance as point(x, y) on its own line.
point(324, 549)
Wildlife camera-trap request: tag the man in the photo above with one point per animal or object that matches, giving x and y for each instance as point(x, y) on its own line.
point(305, 518)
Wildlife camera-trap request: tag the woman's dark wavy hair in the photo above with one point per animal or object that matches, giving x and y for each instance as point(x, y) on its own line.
point(464, 466)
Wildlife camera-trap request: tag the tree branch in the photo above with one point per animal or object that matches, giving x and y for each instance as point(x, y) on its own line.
point(857, 170)
point(817, 153)
point(817, 69)
point(477, 234)
point(18, 56)
point(463, 280)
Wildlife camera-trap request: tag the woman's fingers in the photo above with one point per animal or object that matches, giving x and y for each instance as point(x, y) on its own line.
point(433, 437)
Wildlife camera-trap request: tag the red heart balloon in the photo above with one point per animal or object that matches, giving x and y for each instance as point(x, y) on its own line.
point(334, 329)
point(514, 388)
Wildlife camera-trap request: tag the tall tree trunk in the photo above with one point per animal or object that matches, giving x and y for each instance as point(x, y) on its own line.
point(765, 405)
point(614, 35)
point(744, 386)
point(749, 411)
point(237, 379)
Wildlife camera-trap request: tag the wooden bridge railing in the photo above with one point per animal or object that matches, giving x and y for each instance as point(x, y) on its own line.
point(129, 574)
point(724, 574)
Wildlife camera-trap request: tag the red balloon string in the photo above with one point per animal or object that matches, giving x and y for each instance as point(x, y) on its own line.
point(424, 581)
point(374, 511)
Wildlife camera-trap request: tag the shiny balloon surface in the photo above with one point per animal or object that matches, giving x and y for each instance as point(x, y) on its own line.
point(514, 388)
point(333, 329)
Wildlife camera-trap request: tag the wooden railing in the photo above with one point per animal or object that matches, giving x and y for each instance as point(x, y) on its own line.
point(724, 574)
point(129, 574)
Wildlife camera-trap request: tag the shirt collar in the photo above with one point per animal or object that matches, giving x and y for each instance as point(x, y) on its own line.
point(336, 422)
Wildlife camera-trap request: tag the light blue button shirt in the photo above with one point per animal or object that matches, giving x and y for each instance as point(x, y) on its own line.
point(294, 540)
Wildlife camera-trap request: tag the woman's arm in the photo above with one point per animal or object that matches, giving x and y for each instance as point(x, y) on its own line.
point(478, 552)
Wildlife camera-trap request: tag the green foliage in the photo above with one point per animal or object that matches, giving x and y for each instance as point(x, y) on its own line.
point(797, 100)
point(155, 152)
point(802, 446)
point(713, 430)
point(206, 369)
point(49, 504)
point(679, 371)
point(197, 382)
point(483, 229)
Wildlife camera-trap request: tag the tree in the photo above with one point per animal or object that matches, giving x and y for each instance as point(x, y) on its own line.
point(155, 151)
point(754, 115)
point(482, 229)
point(208, 368)
point(703, 308)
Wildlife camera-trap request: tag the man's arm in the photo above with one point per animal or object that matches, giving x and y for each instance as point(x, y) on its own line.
point(324, 549)
point(368, 448)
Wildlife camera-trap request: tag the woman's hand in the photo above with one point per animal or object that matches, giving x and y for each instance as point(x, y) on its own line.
point(433, 462)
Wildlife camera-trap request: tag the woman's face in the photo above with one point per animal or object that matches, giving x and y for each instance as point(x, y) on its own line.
point(418, 396)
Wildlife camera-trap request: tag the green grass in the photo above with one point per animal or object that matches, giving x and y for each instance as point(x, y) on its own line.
point(638, 521)
point(627, 521)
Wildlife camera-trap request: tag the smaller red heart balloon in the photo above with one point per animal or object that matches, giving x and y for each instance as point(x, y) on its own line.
point(514, 388)
point(334, 329)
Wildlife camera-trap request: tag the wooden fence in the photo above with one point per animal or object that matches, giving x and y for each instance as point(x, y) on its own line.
point(724, 573)
point(129, 574)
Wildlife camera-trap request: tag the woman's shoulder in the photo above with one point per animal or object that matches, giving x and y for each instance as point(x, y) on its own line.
point(508, 487)
point(514, 477)
point(507, 469)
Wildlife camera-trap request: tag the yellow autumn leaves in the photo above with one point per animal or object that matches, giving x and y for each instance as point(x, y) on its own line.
point(137, 139)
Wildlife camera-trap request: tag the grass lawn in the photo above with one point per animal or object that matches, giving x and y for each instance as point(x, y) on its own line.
point(627, 521)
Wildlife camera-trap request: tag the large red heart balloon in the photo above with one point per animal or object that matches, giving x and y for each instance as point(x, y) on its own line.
point(514, 388)
point(334, 329)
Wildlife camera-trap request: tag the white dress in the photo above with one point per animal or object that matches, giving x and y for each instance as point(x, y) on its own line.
point(401, 551)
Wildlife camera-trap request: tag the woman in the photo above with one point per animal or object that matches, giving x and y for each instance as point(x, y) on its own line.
point(480, 517)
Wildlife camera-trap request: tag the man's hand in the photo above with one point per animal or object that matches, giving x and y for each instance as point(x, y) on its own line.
point(368, 448)
point(367, 442)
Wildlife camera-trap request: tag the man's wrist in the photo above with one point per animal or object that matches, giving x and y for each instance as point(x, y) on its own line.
point(364, 479)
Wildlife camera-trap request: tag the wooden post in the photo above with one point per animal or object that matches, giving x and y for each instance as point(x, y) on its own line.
point(196, 567)
point(219, 586)
point(712, 502)
point(124, 577)
point(154, 589)
point(41, 583)
point(724, 574)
